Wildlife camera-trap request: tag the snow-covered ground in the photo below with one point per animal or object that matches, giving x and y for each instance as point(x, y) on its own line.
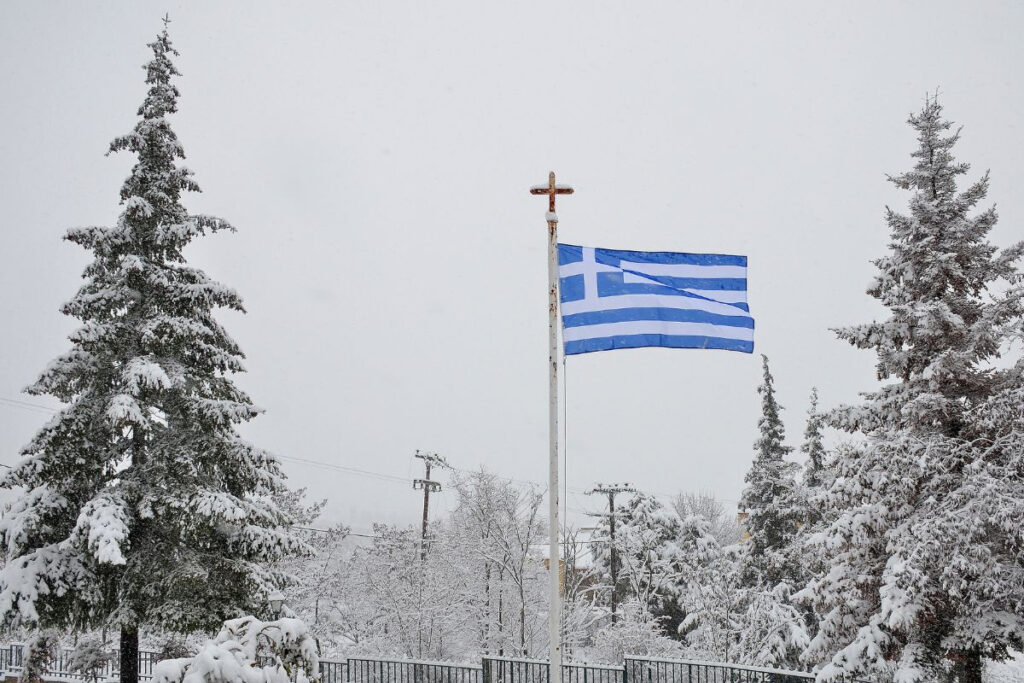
point(1010, 671)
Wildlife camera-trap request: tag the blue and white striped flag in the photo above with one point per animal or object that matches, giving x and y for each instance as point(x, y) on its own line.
point(614, 299)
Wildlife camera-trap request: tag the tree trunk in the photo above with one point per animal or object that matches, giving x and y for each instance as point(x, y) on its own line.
point(968, 668)
point(501, 621)
point(522, 629)
point(485, 627)
point(129, 656)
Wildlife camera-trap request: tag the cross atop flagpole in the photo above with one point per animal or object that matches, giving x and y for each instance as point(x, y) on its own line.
point(554, 565)
point(551, 189)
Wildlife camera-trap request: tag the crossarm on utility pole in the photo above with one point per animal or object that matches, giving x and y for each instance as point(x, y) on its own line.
point(613, 560)
point(428, 486)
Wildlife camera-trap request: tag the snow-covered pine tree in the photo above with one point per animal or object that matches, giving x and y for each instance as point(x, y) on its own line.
point(926, 514)
point(771, 630)
point(142, 505)
point(813, 448)
point(770, 499)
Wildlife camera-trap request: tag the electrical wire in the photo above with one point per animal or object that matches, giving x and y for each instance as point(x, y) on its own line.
point(381, 476)
point(25, 405)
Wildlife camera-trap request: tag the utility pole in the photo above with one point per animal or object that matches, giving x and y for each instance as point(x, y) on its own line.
point(428, 486)
point(611, 491)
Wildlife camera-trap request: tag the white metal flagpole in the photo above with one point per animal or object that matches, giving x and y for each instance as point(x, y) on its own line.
point(554, 563)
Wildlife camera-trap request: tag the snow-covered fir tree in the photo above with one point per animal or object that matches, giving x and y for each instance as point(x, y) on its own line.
point(771, 630)
point(816, 477)
point(806, 553)
point(770, 499)
point(142, 505)
point(926, 533)
point(813, 446)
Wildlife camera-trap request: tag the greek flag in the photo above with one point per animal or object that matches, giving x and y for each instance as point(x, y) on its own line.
point(614, 299)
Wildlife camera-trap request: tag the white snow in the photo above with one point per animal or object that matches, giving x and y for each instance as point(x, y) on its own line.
point(248, 650)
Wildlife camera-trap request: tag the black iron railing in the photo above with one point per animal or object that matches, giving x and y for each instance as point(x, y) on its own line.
point(411, 671)
point(592, 673)
point(12, 658)
point(653, 670)
point(333, 672)
point(514, 670)
point(490, 670)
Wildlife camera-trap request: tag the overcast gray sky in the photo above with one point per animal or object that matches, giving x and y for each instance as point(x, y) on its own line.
point(376, 157)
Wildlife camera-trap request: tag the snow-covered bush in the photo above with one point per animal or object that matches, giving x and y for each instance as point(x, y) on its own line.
point(174, 647)
point(89, 658)
point(248, 650)
point(635, 632)
point(774, 631)
point(42, 651)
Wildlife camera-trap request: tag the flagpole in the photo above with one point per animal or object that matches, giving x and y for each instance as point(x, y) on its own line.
point(554, 563)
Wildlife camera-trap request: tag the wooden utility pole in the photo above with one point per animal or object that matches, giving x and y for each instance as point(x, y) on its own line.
point(611, 491)
point(551, 189)
point(428, 486)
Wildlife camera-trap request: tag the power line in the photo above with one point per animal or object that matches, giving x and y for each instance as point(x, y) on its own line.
point(343, 468)
point(307, 461)
point(348, 532)
point(25, 405)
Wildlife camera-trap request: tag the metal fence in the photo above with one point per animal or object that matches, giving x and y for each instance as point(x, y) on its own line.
point(508, 670)
point(410, 671)
point(648, 670)
point(490, 670)
point(592, 673)
point(333, 672)
point(12, 658)
point(512, 670)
